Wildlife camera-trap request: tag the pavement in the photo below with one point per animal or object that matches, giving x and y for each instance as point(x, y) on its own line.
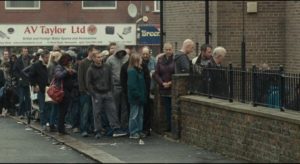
point(19, 144)
point(156, 149)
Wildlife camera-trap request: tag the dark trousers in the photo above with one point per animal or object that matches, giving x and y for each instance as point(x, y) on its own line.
point(63, 109)
point(167, 102)
point(24, 100)
point(147, 115)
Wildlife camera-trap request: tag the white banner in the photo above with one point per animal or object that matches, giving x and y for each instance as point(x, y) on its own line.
point(66, 34)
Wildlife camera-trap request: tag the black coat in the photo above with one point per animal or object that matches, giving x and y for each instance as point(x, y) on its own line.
point(17, 71)
point(38, 75)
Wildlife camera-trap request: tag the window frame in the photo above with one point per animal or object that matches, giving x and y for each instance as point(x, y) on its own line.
point(22, 8)
point(99, 8)
point(155, 4)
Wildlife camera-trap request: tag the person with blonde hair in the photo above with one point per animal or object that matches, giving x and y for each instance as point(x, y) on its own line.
point(53, 107)
point(136, 96)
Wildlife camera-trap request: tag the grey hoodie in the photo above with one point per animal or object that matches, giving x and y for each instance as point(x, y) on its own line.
point(116, 63)
point(182, 63)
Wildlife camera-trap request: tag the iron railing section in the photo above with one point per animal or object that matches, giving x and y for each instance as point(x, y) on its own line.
point(269, 88)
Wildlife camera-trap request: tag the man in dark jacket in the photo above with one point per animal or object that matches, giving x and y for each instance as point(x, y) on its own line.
point(23, 84)
point(86, 111)
point(99, 82)
point(38, 77)
point(182, 61)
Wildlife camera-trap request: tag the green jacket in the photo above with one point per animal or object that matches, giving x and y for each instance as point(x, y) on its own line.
point(136, 87)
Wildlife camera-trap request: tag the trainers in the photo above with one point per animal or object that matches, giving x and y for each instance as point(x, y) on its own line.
point(134, 136)
point(119, 133)
point(98, 135)
point(75, 130)
point(84, 134)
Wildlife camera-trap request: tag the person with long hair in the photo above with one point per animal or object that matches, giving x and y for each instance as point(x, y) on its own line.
point(136, 96)
point(63, 78)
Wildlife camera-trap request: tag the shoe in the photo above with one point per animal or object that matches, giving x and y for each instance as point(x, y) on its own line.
point(98, 135)
point(21, 117)
point(134, 136)
point(75, 130)
point(63, 133)
point(119, 133)
point(84, 134)
point(143, 135)
point(52, 128)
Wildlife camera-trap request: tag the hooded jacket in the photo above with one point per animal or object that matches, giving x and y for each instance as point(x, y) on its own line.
point(99, 78)
point(182, 63)
point(116, 63)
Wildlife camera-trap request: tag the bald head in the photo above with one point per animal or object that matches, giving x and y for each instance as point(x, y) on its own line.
point(146, 53)
point(188, 46)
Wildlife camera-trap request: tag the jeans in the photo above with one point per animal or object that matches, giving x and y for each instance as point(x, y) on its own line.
point(24, 100)
point(121, 105)
point(147, 115)
point(167, 102)
point(86, 113)
point(136, 119)
point(53, 114)
point(104, 102)
point(44, 113)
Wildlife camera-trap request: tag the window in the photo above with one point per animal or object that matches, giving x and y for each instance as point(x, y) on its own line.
point(22, 5)
point(99, 4)
point(156, 6)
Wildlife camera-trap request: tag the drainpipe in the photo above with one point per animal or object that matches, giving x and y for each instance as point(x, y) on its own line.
point(207, 22)
point(161, 26)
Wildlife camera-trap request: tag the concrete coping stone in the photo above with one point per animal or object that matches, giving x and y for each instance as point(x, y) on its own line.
point(272, 113)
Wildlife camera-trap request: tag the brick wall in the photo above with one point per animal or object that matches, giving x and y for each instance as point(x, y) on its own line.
point(292, 36)
point(264, 30)
point(184, 19)
point(237, 130)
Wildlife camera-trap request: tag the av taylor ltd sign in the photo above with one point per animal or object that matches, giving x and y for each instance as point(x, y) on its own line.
point(66, 34)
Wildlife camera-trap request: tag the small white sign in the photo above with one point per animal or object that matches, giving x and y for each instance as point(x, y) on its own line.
point(66, 34)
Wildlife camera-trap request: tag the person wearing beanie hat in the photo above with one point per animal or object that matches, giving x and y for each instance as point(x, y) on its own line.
point(116, 61)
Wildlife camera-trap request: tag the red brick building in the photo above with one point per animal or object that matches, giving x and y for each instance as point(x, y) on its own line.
point(64, 13)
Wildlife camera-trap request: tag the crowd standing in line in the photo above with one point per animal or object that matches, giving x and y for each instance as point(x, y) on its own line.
point(106, 93)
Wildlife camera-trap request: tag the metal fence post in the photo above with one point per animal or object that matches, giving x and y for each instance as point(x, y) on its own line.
point(282, 88)
point(230, 89)
point(254, 85)
point(197, 48)
point(208, 75)
point(175, 46)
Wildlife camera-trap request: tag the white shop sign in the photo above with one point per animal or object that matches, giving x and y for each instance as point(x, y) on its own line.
point(66, 34)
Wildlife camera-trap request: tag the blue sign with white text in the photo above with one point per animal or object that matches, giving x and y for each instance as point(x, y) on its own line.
point(149, 34)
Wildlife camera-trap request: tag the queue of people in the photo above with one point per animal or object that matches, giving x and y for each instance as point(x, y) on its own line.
point(106, 93)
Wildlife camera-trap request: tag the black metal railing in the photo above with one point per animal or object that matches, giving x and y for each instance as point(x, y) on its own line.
point(270, 88)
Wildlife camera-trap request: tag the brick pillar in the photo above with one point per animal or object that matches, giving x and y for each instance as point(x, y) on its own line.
point(179, 88)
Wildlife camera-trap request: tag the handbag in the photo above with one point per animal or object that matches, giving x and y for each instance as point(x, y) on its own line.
point(56, 93)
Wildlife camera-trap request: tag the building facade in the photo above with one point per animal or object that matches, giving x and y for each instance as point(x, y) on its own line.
point(46, 18)
point(271, 29)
